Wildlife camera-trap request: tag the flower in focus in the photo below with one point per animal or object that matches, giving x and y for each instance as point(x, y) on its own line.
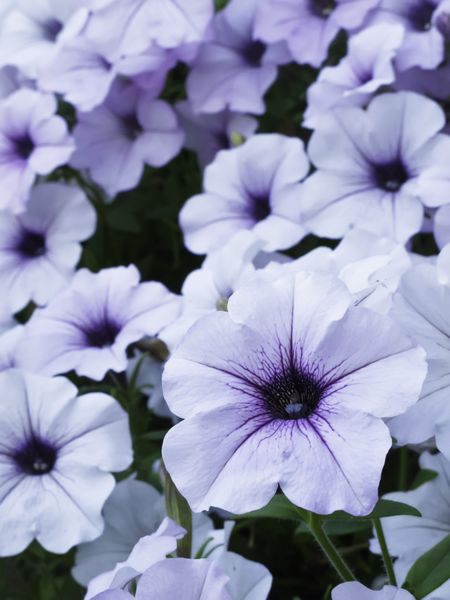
point(309, 26)
point(421, 307)
point(235, 68)
point(40, 247)
point(57, 451)
point(376, 183)
point(206, 134)
point(117, 139)
point(255, 186)
point(424, 43)
point(366, 67)
point(90, 324)
point(354, 590)
point(408, 537)
point(288, 388)
point(33, 141)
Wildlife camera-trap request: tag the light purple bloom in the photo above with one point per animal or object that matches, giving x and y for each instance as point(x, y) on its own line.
point(408, 538)
point(424, 43)
point(367, 66)
point(287, 388)
point(199, 580)
point(56, 453)
point(33, 141)
point(206, 134)
point(442, 226)
point(9, 340)
point(255, 186)
point(354, 590)
point(31, 33)
point(40, 248)
point(117, 139)
point(124, 27)
point(309, 26)
point(90, 324)
point(422, 307)
point(235, 69)
point(382, 153)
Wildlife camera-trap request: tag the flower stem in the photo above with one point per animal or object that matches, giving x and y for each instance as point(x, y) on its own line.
point(385, 552)
point(329, 549)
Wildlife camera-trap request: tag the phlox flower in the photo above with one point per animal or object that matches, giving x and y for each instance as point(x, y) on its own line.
point(31, 32)
point(367, 66)
point(408, 537)
point(254, 186)
point(206, 134)
point(117, 139)
point(235, 68)
point(89, 325)
point(56, 454)
point(421, 307)
point(33, 141)
point(442, 226)
point(287, 388)
point(309, 26)
point(40, 247)
point(124, 27)
point(424, 42)
point(376, 182)
point(354, 590)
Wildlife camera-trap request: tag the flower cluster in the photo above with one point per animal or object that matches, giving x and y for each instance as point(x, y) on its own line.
point(225, 275)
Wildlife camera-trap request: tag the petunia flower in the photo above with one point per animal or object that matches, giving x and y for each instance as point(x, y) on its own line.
point(235, 68)
point(382, 152)
point(40, 247)
point(116, 140)
point(309, 26)
point(408, 538)
point(354, 590)
point(33, 141)
point(206, 134)
point(442, 225)
point(421, 308)
point(56, 454)
point(89, 325)
point(367, 66)
point(31, 33)
point(124, 27)
point(256, 187)
point(288, 388)
point(424, 42)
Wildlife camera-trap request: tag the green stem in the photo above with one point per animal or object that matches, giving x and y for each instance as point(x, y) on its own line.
point(385, 552)
point(329, 549)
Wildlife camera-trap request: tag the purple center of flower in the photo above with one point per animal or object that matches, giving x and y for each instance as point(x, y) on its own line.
point(24, 146)
point(51, 29)
point(322, 8)
point(253, 53)
point(36, 457)
point(390, 176)
point(292, 394)
point(259, 207)
point(420, 15)
point(101, 334)
point(133, 128)
point(31, 244)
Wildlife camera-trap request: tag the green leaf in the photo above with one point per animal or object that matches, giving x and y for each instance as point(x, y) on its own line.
point(278, 508)
point(423, 476)
point(430, 571)
point(382, 510)
point(178, 509)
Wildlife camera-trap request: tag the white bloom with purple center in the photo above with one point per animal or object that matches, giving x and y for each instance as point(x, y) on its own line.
point(255, 186)
point(235, 68)
point(33, 141)
point(288, 388)
point(354, 590)
point(90, 324)
point(367, 66)
point(40, 247)
point(56, 454)
point(376, 183)
point(116, 140)
point(309, 26)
